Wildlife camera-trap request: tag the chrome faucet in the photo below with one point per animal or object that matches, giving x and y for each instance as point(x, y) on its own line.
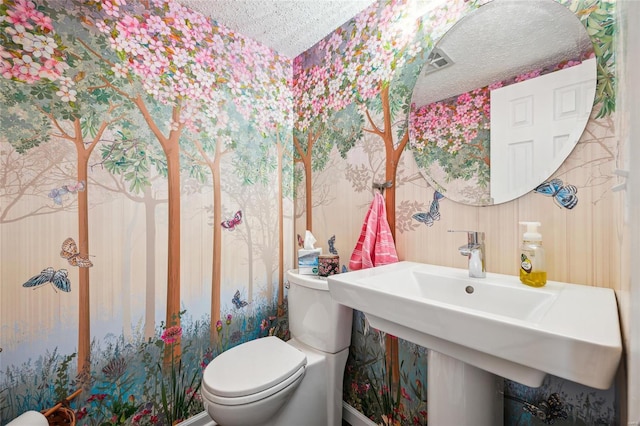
point(474, 250)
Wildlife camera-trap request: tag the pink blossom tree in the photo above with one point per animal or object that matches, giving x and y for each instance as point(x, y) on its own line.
point(352, 71)
point(206, 75)
point(455, 134)
point(49, 93)
point(256, 118)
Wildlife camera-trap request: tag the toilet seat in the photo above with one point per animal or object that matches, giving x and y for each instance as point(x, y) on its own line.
point(252, 371)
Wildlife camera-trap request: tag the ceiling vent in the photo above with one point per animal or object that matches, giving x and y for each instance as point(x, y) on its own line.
point(436, 60)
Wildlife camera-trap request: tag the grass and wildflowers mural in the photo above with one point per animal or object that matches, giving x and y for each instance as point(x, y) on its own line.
point(130, 384)
point(371, 388)
point(559, 402)
point(137, 123)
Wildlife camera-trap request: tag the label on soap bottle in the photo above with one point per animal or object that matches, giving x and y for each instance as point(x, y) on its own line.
point(525, 263)
point(532, 271)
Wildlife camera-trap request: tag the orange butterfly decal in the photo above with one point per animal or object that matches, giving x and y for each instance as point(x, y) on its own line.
point(71, 253)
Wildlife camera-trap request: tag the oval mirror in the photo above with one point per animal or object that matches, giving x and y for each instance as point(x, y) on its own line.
point(502, 100)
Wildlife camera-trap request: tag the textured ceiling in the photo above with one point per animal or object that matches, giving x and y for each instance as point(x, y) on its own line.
point(500, 40)
point(288, 26)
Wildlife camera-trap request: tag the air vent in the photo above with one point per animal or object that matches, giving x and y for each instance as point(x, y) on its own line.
point(436, 60)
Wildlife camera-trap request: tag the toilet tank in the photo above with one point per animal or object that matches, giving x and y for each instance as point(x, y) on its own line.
point(314, 318)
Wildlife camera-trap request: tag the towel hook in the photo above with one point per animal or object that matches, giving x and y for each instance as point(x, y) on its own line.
point(381, 186)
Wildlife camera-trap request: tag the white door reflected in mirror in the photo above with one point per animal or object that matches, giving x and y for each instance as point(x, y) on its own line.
point(534, 126)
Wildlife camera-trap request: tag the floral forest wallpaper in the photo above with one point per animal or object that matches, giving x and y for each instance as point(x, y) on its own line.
point(352, 96)
point(144, 203)
point(156, 168)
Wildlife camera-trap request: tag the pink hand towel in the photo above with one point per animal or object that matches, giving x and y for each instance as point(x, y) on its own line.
point(375, 247)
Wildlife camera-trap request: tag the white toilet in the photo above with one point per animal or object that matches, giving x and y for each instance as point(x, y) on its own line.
point(295, 383)
point(30, 418)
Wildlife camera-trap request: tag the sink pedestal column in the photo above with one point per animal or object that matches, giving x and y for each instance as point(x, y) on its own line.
point(461, 394)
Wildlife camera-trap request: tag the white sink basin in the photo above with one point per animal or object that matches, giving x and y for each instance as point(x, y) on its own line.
point(495, 323)
point(495, 297)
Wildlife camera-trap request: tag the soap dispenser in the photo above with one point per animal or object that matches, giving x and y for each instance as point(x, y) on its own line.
point(533, 271)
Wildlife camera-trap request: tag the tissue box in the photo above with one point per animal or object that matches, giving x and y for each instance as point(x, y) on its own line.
point(308, 261)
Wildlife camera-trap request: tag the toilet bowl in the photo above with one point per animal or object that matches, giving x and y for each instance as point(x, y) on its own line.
point(252, 381)
point(270, 382)
point(30, 418)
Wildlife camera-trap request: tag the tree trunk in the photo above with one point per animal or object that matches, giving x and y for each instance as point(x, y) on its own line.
point(84, 300)
point(280, 152)
point(83, 153)
point(216, 275)
point(392, 158)
point(150, 287)
point(307, 161)
point(249, 260)
point(172, 153)
point(308, 188)
point(171, 149)
point(125, 279)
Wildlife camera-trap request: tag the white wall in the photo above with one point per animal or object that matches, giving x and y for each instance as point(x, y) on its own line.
point(629, 132)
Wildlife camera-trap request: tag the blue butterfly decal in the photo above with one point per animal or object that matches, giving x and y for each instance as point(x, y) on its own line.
point(564, 195)
point(332, 247)
point(57, 278)
point(434, 211)
point(57, 193)
point(237, 302)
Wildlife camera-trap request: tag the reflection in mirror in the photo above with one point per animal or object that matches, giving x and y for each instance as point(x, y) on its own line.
point(502, 100)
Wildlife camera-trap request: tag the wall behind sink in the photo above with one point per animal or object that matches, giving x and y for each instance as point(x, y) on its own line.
point(341, 124)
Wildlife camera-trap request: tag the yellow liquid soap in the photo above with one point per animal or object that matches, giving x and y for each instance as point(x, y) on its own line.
point(533, 279)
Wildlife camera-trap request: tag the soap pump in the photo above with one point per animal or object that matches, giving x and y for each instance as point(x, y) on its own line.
point(533, 271)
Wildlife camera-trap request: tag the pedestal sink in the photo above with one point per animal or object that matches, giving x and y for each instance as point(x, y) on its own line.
point(495, 325)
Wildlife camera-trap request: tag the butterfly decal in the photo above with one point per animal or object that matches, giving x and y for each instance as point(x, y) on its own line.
point(554, 408)
point(57, 193)
point(237, 302)
point(58, 279)
point(70, 252)
point(332, 247)
point(563, 195)
point(434, 211)
point(233, 222)
point(75, 187)
point(300, 241)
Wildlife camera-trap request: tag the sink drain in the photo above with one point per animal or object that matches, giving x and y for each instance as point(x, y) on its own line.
point(469, 289)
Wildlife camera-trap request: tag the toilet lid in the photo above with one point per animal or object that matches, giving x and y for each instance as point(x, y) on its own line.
point(252, 367)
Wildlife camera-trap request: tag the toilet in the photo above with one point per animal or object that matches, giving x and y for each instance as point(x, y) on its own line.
point(270, 382)
point(30, 418)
